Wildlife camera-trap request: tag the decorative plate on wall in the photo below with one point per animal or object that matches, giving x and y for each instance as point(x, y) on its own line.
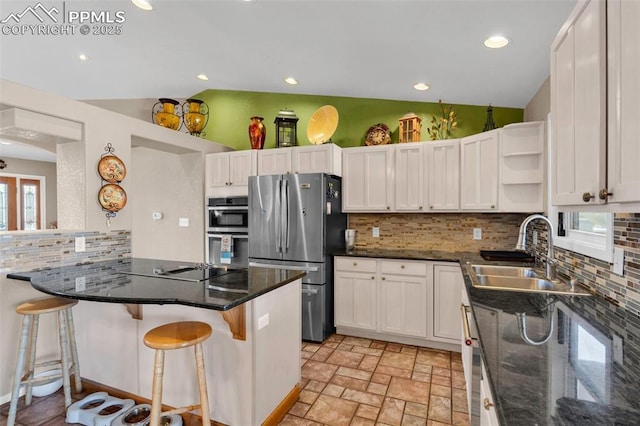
point(378, 134)
point(111, 168)
point(112, 197)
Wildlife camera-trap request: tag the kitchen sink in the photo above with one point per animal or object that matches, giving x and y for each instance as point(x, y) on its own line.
point(512, 278)
point(504, 271)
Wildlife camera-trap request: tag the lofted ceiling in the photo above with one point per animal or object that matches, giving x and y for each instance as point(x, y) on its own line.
point(356, 48)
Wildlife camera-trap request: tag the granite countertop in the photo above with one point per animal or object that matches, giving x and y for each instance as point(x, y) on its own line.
point(586, 373)
point(112, 281)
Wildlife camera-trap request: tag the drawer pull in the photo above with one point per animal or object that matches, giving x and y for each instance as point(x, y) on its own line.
point(401, 266)
point(373, 278)
point(355, 263)
point(383, 278)
point(468, 340)
point(487, 404)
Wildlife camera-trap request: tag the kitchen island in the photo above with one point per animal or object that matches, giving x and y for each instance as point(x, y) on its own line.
point(252, 359)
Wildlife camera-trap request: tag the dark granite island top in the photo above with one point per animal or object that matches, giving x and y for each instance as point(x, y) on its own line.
point(586, 373)
point(192, 285)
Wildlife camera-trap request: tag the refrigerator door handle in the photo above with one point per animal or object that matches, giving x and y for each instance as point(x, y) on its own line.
point(286, 182)
point(278, 216)
point(309, 291)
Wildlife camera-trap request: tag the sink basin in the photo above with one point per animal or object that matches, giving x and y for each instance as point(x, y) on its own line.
point(504, 271)
point(512, 278)
point(517, 283)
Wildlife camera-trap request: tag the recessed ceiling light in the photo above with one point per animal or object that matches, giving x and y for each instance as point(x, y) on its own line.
point(496, 42)
point(83, 57)
point(142, 4)
point(290, 80)
point(202, 77)
point(421, 86)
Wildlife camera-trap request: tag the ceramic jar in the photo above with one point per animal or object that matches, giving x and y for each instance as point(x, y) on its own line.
point(166, 117)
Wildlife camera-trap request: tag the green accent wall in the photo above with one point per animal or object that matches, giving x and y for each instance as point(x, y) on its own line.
point(230, 112)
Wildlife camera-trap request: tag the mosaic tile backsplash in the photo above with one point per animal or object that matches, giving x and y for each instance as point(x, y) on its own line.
point(445, 231)
point(454, 232)
point(29, 251)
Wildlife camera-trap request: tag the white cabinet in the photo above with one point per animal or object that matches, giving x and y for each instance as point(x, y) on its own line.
point(578, 90)
point(409, 182)
point(595, 105)
point(355, 290)
point(227, 173)
point(274, 161)
point(623, 49)
point(402, 298)
point(367, 179)
point(479, 171)
point(488, 415)
point(407, 301)
point(447, 287)
point(443, 175)
point(522, 167)
point(325, 158)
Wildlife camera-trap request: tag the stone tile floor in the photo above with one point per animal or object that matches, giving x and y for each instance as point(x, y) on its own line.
point(355, 381)
point(345, 381)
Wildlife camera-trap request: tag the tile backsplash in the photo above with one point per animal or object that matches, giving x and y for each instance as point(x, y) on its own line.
point(28, 251)
point(443, 231)
point(454, 232)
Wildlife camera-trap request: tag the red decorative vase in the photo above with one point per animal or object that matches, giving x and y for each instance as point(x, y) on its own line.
point(257, 132)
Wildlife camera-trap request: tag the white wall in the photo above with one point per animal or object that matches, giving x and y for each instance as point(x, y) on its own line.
point(540, 105)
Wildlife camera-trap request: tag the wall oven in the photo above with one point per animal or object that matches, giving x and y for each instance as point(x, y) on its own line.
point(227, 240)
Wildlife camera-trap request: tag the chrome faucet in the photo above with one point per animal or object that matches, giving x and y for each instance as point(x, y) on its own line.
point(551, 262)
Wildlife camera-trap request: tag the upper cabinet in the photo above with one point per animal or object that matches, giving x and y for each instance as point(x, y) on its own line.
point(325, 158)
point(228, 173)
point(479, 171)
point(623, 44)
point(409, 183)
point(443, 175)
point(595, 98)
point(367, 179)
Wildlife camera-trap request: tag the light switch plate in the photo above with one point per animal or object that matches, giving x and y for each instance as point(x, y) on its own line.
point(618, 260)
point(263, 321)
point(618, 349)
point(157, 215)
point(183, 221)
point(80, 244)
point(81, 283)
point(376, 232)
point(477, 233)
point(535, 237)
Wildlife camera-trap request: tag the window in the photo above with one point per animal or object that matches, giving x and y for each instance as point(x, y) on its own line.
point(21, 201)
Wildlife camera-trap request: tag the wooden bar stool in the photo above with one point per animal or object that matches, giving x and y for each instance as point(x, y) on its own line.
point(31, 311)
point(178, 335)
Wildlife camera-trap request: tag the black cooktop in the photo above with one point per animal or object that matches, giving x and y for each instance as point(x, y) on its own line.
point(174, 270)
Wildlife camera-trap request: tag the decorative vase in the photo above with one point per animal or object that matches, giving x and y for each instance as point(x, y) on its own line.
point(257, 132)
point(196, 116)
point(164, 113)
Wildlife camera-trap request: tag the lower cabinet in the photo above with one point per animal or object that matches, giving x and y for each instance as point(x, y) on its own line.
point(387, 298)
point(488, 415)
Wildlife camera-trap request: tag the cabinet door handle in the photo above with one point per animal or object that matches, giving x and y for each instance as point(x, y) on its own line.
point(468, 340)
point(493, 206)
point(604, 193)
point(355, 263)
point(401, 266)
point(383, 278)
point(487, 404)
point(388, 208)
point(373, 278)
point(586, 197)
point(420, 207)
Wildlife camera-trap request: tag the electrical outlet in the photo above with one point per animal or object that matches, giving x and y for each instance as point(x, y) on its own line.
point(183, 221)
point(80, 244)
point(263, 321)
point(618, 349)
point(376, 232)
point(81, 283)
point(477, 233)
point(535, 237)
point(156, 215)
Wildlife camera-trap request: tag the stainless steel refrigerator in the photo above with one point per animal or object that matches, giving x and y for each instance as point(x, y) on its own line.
point(296, 222)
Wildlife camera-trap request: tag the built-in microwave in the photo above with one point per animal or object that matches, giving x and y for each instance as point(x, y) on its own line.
point(227, 239)
point(227, 214)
